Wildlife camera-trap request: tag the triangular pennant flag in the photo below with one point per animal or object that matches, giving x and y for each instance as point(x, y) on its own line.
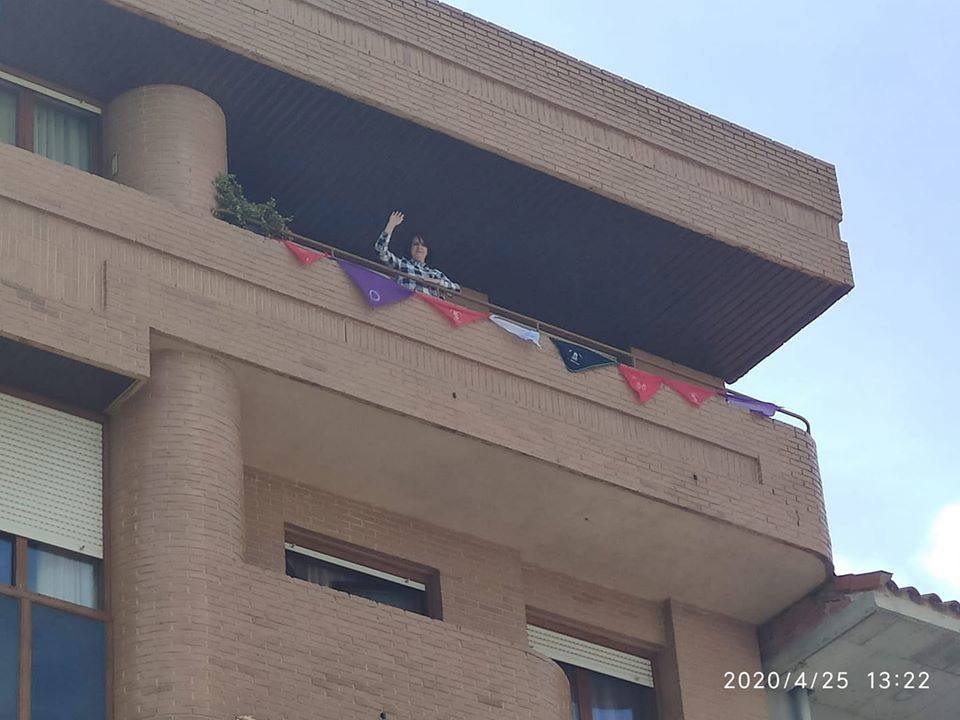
point(576, 357)
point(643, 384)
point(521, 331)
point(767, 409)
point(693, 394)
point(456, 314)
point(305, 256)
point(378, 290)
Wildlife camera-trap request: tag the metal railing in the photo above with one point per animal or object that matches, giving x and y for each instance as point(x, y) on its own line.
point(619, 354)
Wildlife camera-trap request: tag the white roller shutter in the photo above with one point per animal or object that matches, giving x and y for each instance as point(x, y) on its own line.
point(51, 476)
point(590, 656)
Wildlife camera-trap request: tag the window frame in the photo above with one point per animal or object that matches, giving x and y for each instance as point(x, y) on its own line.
point(28, 89)
point(614, 641)
point(381, 562)
point(20, 590)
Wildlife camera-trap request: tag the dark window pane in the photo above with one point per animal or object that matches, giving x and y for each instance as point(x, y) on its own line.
point(613, 699)
point(6, 560)
point(571, 673)
point(354, 582)
point(67, 679)
point(9, 656)
point(63, 575)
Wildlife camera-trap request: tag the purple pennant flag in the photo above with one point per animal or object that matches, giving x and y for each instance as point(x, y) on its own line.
point(377, 289)
point(752, 404)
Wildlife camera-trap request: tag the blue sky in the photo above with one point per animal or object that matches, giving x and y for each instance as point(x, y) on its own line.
point(874, 88)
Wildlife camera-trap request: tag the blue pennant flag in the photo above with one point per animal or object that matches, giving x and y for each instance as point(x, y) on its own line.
point(577, 357)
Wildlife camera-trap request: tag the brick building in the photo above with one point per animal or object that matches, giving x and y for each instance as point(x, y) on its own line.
point(231, 488)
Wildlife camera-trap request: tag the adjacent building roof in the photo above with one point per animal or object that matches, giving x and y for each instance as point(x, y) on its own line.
point(882, 580)
point(898, 648)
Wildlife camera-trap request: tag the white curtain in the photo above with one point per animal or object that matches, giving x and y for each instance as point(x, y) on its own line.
point(64, 577)
point(8, 117)
point(61, 135)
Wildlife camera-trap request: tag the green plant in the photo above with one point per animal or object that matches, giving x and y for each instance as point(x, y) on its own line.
point(234, 208)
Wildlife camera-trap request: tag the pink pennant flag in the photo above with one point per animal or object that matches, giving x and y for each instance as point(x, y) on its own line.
point(693, 394)
point(456, 314)
point(305, 256)
point(643, 384)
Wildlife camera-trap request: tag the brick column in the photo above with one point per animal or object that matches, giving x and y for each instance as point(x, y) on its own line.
point(176, 487)
point(166, 140)
point(700, 648)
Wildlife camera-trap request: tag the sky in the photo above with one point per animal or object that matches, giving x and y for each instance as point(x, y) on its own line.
point(874, 88)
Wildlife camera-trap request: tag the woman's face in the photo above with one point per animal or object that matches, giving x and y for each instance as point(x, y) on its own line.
point(418, 251)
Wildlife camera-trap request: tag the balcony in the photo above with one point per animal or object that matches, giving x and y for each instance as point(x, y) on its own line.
point(466, 429)
point(709, 260)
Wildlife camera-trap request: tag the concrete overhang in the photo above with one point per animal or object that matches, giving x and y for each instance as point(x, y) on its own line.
point(564, 521)
point(875, 632)
point(689, 262)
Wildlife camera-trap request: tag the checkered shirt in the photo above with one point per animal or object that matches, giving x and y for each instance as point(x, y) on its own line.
point(412, 267)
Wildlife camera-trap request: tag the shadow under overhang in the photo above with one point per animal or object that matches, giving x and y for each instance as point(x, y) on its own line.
point(529, 241)
point(49, 376)
point(560, 520)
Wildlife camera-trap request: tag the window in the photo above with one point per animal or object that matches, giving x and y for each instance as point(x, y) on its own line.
point(357, 571)
point(52, 631)
point(63, 575)
point(9, 657)
point(6, 560)
point(605, 684)
point(67, 666)
point(48, 122)
point(63, 134)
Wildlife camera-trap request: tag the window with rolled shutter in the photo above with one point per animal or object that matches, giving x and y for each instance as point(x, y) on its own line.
point(588, 655)
point(51, 476)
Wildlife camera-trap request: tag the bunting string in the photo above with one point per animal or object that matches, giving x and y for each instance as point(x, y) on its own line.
point(456, 314)
point(305, 256)
point(521, 331)
point(577, 358)
point(379, 290)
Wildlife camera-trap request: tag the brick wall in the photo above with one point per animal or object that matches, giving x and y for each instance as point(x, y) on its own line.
point(616, 614)
point(200, 632)
point(481, 583)
point(92, 286)
point(701, 648)
point(197, 633)
point(451, 72)
point(486, 591)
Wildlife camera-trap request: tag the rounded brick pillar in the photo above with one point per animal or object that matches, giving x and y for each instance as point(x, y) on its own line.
point(166, 140)
point(176, 492)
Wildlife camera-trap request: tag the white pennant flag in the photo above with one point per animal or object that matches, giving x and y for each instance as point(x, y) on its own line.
point(521, 331)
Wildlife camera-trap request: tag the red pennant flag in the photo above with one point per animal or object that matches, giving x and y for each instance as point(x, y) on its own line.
point(456, 314)
point(305, 256)
point(643, 384)
point(693, 394)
